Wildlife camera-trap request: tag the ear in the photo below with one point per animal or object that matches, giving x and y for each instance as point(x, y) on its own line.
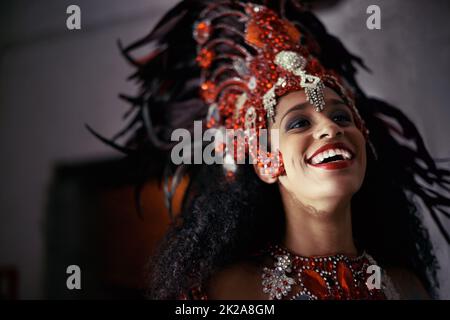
point(267, 178)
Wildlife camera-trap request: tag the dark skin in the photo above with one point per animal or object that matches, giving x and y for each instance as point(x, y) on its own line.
point(318, 217)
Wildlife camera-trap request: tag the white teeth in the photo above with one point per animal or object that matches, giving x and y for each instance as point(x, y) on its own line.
point(320, 158)
point(331, 153)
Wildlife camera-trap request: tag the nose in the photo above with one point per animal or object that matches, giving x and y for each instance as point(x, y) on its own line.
point(328, 129)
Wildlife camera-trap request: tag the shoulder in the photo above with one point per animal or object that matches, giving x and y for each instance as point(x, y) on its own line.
point(239, 281)
point(407, 284)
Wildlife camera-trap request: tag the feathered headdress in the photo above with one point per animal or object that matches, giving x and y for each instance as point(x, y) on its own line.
point(226, 62)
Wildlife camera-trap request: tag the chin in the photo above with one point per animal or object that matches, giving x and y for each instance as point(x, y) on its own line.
point(339, 188)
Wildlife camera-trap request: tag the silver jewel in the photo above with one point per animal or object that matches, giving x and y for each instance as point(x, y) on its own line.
point(228, 162)
point(213, 113)
point(239, 104)
point(256, 8)
point(269, 99)
point(250, 117)
point(315, 96)
point(252, 83)
point(276, 282)
point(294, 63)
point(290, 61)
point(241, 67)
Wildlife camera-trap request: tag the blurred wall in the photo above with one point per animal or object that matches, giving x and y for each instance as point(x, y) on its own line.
point(53, 80)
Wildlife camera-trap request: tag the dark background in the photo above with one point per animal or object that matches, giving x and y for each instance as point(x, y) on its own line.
point(65, 198)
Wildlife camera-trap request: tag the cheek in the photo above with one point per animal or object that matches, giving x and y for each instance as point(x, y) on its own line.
point(358, 140)
point(293, 149)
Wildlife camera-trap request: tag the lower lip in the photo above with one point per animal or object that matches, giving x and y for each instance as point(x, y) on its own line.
point(333, 165)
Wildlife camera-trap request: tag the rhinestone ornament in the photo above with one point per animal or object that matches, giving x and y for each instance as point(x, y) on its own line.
point(336, 277)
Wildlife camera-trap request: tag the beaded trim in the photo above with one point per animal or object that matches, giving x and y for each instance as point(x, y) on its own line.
point(327, 277)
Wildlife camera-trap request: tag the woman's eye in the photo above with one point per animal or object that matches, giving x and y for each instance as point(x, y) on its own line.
point(298, 124)
point(342, 118)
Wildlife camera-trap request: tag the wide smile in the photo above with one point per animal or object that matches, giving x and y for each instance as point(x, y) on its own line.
point(332, 157)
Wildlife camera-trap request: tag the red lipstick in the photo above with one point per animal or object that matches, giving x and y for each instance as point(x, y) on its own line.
point(334, 165)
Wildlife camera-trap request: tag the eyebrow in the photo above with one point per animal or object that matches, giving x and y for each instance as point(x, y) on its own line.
point(303, 105)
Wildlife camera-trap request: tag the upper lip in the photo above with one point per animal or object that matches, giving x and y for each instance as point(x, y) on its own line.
point(336, 145)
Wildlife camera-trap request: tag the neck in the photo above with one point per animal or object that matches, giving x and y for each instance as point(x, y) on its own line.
point(318, 232)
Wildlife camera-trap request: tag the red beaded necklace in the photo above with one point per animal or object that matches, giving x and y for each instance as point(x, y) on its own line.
point(336, 277)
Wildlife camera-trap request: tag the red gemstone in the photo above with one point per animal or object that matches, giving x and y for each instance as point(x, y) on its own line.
point(202, 31)
point(345, 278)
point(208, 91)
point(315, 283)
point(205, 58)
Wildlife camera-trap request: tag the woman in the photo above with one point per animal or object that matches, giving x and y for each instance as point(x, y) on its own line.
point(307, 219)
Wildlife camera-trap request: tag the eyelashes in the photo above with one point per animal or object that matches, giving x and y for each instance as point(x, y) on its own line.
point(300, 123)
point(342, 118)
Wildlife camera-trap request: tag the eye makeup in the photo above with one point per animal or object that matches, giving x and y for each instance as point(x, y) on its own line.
point(300, 119)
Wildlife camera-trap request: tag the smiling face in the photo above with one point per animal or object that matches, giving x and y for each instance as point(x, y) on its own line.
point(324, 153)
